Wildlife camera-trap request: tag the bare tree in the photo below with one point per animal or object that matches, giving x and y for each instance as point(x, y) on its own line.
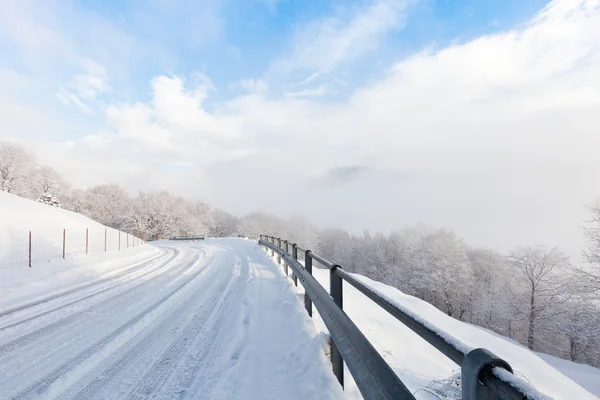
point(542, 277)
point(589, 274)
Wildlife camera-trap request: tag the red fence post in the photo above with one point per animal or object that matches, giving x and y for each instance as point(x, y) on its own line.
point(87, 241)
point(29, 249)
point(64, 242)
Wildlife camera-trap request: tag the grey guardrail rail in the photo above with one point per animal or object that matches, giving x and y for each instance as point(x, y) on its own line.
point(480, 378)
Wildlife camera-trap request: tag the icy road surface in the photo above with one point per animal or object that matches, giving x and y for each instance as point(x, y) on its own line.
point(210, 320)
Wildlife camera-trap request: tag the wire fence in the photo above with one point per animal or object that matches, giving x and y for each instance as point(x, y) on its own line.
point(28, 249)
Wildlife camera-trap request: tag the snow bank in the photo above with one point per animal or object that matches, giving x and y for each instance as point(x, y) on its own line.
point(50, 272)
point(422, 368)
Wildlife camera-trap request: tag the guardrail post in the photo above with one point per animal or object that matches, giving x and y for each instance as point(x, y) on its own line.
point(476, 366)
point(29, 249)
point(336, 293)
point(278, 255)
point(295, 255)
point(308, 267)
point(273, 242)
point(287, 250)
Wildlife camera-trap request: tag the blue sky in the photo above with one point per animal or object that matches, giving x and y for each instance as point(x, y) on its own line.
point(458, 114)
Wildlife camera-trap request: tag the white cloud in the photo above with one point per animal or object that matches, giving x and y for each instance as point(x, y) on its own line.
point(84, 87)
point(325, 44)
point(495, 137)
point(318, 91)
point(252, 85)
point(93, 81)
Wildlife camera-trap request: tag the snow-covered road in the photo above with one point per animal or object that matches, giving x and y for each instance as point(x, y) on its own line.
point(210, 320)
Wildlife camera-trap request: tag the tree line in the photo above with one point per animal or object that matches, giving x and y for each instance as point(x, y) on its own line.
point(534, 295)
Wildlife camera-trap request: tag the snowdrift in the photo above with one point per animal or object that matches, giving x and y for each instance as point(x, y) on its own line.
point(423, 369)
point(107, 249)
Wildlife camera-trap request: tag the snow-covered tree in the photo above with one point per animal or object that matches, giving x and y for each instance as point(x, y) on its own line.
point(16, 165)
point(489, 301)
point(45, 180)
point(444, 272)
point(223, 223)
point(49, 199)
point(540, 285)
point(589, 274)
point(107, 204)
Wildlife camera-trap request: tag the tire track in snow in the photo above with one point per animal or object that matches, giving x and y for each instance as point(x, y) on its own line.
point(128, 278)
point(39, 387)
point(150, 350)
point(46, 299)
point(55, 339)
point(34, 335)
point(184, 359)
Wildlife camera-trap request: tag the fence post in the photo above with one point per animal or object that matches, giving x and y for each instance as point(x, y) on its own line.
point(64, 242)
point(278, 255)
point(29, 249)
point(308, 267)
point(295, 255)
point(87, 240)
point(335, 290)
point(287, 250)
point(105, 240)
point(119, 240)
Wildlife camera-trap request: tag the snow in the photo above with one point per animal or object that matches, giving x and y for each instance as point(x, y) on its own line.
point(422, 368)
point(586, 376)
point(50, 272)
point(19, 216)
point(212, 319)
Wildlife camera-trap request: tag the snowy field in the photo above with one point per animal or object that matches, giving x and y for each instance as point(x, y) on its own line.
point(424, 370)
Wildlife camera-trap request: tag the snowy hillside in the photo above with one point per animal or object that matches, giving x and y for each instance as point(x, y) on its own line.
point(420, 365)
point(19, 216)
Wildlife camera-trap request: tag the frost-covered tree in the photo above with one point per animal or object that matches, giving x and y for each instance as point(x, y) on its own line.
point(489, 302)
point(106, 204)
point(444, 272)
point(579, 324)
point(45, 180)
point(589, 274)
point(16, 165)
point(540, 285)
point(257, 223)
point(223, 223)
point(76, 200)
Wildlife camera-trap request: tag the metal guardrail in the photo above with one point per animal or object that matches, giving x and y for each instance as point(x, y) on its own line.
point(374, 378)
point(188, 237)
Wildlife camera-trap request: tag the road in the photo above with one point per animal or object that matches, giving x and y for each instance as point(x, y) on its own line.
point(210, 320)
